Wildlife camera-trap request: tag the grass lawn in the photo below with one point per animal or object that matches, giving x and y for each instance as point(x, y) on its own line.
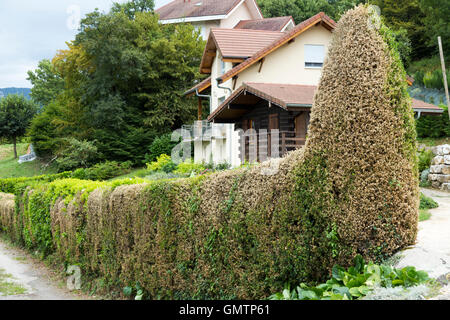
point(431, 142)
point(424, 214)
point(10, 168)
point(137, 173)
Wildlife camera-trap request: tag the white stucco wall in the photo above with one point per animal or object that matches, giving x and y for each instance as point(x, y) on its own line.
point(205, 27)
point(287, 64)
point(216, 71)
point(240, 13)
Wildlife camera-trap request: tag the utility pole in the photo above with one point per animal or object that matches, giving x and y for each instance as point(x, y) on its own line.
point(444, 74)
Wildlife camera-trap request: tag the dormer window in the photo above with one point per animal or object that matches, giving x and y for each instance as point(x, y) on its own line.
point(314, 56)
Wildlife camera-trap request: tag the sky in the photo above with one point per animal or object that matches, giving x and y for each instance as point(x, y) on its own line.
point(33, 30)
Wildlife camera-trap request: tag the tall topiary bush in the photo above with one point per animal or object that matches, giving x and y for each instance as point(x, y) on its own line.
point(360, 174)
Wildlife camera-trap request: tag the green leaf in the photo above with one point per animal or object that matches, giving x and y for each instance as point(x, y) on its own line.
point(127, 291)
point(338, 272)
point(286, 294)
point(336, 297)
point(355, 292)
point(397, 282)
point(359, 263)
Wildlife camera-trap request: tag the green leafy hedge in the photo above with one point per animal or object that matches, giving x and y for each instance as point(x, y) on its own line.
point(434, 126)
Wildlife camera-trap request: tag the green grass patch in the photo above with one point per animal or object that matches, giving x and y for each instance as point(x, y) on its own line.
point(137, 173)
point(8, 287)
point(10, 168)
point(424, 215)
point(427, 202)
point(431, 142)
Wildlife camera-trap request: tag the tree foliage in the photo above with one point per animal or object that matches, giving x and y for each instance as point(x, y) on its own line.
point(409, 16)
point(301, 10)
point(16, 113)
point(436, 22)
point(46, 81)
point(132, 7)
point(124, 76)
point(416, 23)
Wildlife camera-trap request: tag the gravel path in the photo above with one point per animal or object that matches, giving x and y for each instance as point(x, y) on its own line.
point(432, 250)
point(29, 275)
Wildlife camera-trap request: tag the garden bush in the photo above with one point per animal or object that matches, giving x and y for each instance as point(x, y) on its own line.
point(188, 167)
point(103, 171)
point(425, 158)
point(434, 126)
point(356, 282)
point(163, 163)
point(161, 145)
point(77, 154)
point(427, 202)
point(243, 233)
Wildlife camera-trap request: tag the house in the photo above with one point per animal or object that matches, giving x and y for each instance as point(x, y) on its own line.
point(263, 80)
point(208, 14)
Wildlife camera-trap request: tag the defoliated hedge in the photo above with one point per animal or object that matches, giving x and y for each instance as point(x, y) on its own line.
point(242, 234)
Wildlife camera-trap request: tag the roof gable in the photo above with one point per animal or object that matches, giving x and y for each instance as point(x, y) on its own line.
point(235, 44)
point(179, 9)
point(320, 18)
point(268, 24)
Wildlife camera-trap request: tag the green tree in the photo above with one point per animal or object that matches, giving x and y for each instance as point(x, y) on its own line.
point(132, 7)
point(16, 113)
point(124, 77)
point(408, 15)
point(301, 10)
point(436, 23)
point(46, 81)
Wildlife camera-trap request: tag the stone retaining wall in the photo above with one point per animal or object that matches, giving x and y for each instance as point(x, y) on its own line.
point(440, 168)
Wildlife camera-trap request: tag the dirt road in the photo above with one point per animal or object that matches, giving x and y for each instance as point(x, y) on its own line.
point(24, 278)
point(432, 250)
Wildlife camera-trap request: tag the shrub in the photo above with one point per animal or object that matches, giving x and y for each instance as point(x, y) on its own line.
point(188, 167)
point(103, 171)
point(163, 163)
point(424, 178)
point(161, 145)
point(77, 154)
point(425, 158)
point(434, 126)
point(360, 178)
point(434, 79)
point(356, 282)
point(427, 202)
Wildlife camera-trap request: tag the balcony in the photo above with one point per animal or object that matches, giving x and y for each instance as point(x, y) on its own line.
point(204, 131)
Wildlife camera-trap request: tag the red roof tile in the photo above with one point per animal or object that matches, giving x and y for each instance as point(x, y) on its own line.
point(269, 24)
point(196, 8)
point(242, 43)
point(427, 107)
point(295, 95)
point(201, 86)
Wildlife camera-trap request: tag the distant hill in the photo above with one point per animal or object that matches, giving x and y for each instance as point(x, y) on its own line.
point(7, 91)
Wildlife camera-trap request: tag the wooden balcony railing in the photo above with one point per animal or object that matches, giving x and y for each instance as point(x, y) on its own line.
point(263, 143)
